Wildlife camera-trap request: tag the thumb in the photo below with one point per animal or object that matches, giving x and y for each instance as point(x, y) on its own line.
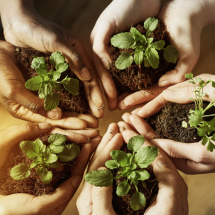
point(102, 200)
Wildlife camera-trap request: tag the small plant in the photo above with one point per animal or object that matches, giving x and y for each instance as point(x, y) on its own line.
point(47, 81)
point(130, 167)
point(44, 157)
point(196, 117)
point(145, 51)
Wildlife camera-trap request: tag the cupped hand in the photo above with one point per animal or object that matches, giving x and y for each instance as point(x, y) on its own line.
point(56, 202)
point(23, 104)
point(172, 194)
point(24, 27)
point(119, 16)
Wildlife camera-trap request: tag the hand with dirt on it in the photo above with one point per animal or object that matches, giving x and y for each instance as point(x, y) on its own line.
point(119, 16)
point(184, 22)
point(56, 202)
point(24, 27)
point(98, 200)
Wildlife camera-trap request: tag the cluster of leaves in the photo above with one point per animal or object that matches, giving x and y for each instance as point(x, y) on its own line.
point(196, 117)
point(47, 81)
point(145, 51)
point(44, 157)
point(129, 166)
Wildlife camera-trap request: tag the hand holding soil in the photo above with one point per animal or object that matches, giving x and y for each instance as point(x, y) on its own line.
point(30, 30)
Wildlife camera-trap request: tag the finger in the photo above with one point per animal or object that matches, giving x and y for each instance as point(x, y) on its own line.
point(88, 133)
point(95, 142)
point(126, 118)
point(91, 121)
point(111, 132)
point(102, 199)
point(142, 127)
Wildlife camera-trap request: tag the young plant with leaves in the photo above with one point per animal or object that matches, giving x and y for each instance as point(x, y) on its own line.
point(145, 51)
point(44, 157)
point(47, 81)
point(130, 167)
point(197, 117)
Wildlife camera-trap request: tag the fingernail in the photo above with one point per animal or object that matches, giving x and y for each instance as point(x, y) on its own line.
point(75, 181)
point(54, 114)
point(106, 63)
point(163, 83)
point(85, 74)
point(161, 162)
point(44, 125)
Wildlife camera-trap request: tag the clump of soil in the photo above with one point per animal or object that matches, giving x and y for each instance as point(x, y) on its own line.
point(68, 102)
point(32, 185)
point(121, 204)
point(134, 78)
point(168, 122)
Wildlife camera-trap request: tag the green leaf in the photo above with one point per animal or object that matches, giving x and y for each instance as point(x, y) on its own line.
point(138, 57)
point(111, 164)
point(142, 175)
point(56, 75)
point(146, 155)
point(138, 201)
point(39, 62)
point(62, 67)
point(45, 90)
point(143, 39)
point(69, 153)
point(57, 139)
point(52, 101)
point(153, 57)
point(56, 58)
point(130, 157)
point(184, 124)
point(120, 156)
point(72, 86)
point(56, 149)
point(51, 158)
point(188, 75)
point(208, 81)
point(170, 54)
point(33, 165)
point(146, 62)
point(150, 40)
point(148, 34)
point(204, 140)
point(133, 175)
point(133, 166)
point(34, 83)
point(151, 23)
point(123, 40)
point(46, 177)
point(20, 172)
point(135, 143)
point(136, 33)
point(39, 171)
point(41, 72)
point(54, 165)
point(213, 137)
point(124, 61)
point(213, 84)
point(122, 188)
point(100, 178)
point(210, 146)
point(56, 86)
point(159, 44)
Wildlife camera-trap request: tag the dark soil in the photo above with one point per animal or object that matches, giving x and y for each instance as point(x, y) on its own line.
point(33, 185)
point(68, 102)
point(134, 78)
point(121, 205)
point(168, 122)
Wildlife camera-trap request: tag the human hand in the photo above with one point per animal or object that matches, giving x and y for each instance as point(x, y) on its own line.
point(23, 104)
point(114, 20)
point(98, 200)
point(24, 27)
point(55, 203)
point(170, 184)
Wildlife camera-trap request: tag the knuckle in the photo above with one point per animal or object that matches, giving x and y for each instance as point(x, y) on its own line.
point(26, 127)
point(10, 92)
point(173, 152)
point(76, 56)
point(200, 156)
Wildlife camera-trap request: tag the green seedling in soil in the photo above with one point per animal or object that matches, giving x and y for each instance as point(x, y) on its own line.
point(47, 81)
point(44, 157)
point(130, 167)
point(145, 51)
point(197, 116)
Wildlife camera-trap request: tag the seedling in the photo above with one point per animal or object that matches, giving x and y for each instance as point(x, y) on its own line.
point(130, 167)
point(47, 81)
point(44, 157)
point(145, 51)
point(197, 116)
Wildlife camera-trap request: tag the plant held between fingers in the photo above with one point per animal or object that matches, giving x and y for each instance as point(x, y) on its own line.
point(44, 157)
point(130, 166)
point(47, 81)
point(145, 51)
point(197, 117)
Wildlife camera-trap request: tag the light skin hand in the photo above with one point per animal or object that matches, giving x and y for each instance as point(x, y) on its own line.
point(170, 183)
point(55, 203)
point(113, 20)
point(23, 104)
point(24, 27)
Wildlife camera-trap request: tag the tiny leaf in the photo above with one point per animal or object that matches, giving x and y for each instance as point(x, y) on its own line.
point(57, 139)
point(159, 44)
point(138, 58)
point(56, 58)
point(34, 83)
point(46, 177)
point(120, 156)
point(136, 33)
point(153, 57)
point(204, 140)
point(122, 188)
point(111, 164)
point(124, 61)
point(142, 175)
point(123, 40)
point(56, 149)
point(72, 86)
point(138, 201)
point(62, 67)
point(188, 75)
point(184, 124)
point(69, 153)
point(20, 172)
point(170, 54)
point(151, 23)
point(39, 62)
point(52, 101)
point(41, 72)
point(135, 143)
point(51, 158)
